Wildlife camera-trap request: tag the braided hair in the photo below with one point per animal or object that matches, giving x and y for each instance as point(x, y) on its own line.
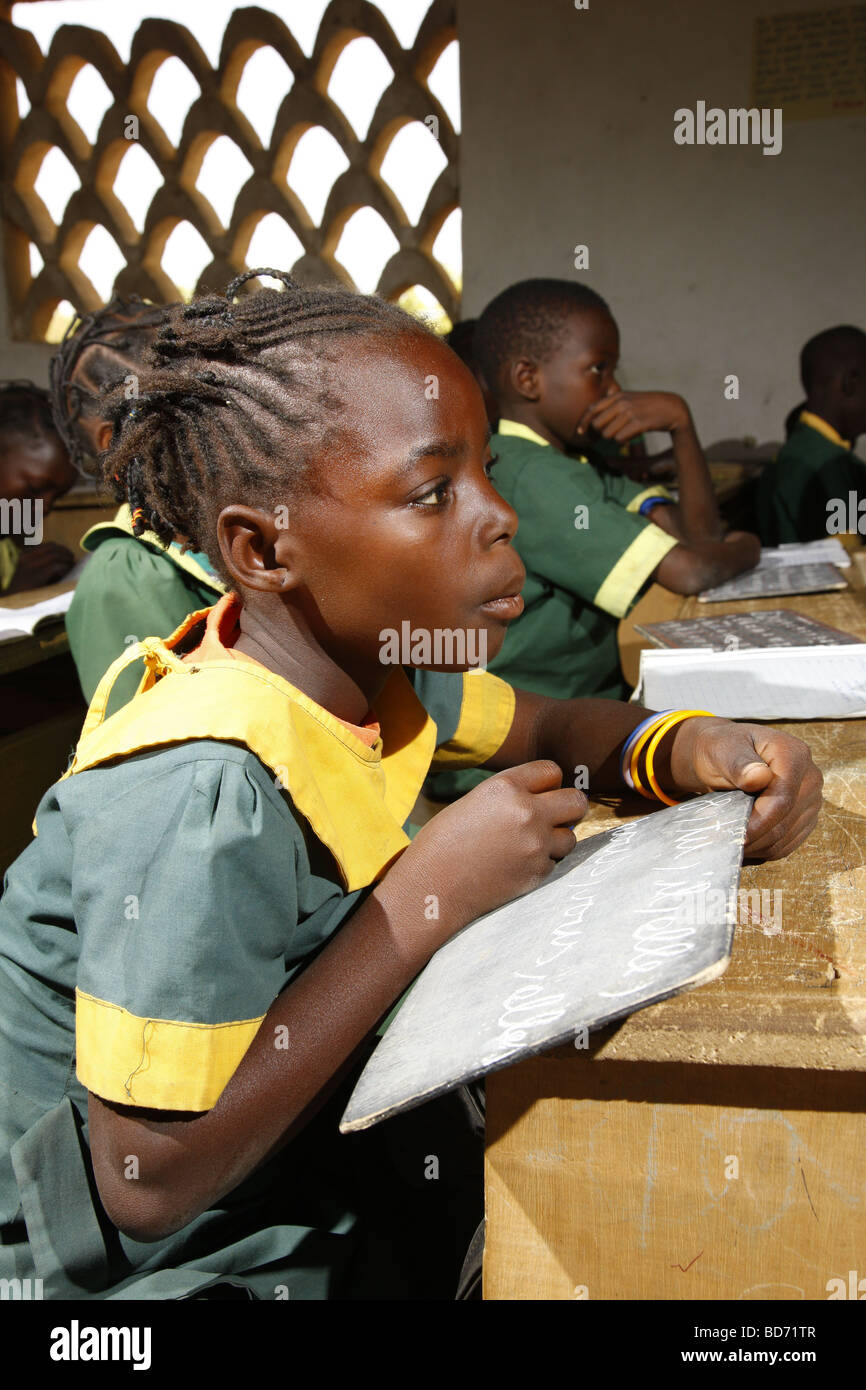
point(97, 352)
point(234, 402)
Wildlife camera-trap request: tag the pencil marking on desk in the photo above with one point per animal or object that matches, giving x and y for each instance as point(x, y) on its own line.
point(685, 1268)
point(805, 1188)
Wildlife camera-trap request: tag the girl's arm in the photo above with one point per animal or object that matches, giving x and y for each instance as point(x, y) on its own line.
point(518, 827)
point(698, 755)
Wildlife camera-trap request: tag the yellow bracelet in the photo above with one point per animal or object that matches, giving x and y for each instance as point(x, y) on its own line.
point(636, 752)
point(654, 736)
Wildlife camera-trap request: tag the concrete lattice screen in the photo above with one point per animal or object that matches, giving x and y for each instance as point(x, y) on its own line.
point(47, 82)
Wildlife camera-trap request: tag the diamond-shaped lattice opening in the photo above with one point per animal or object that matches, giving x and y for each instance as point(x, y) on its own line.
point(360, 76)
point(223, 173)
point(36, 261)
point(184, 257)
point(136, 181)
point(55, 183)
point(102, 260)
point(404, 17)
point(448, 246)
point(88, 100)
point(424, 305)
point(266, 80)
point(413, 163)
point(444, 82)
point(317, 163)
point(59, 321)
point(365, 247)
point(274, 243)
point(23, 103)
point(172, 92)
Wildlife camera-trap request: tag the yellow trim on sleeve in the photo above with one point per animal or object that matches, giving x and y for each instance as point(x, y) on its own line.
point(122, 524)
point(486, 716)
point(814, 422)
point(632, 568)
point(637, 502)
point(155, 1063)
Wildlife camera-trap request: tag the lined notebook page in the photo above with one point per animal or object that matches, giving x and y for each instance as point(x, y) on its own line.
point(771, 683)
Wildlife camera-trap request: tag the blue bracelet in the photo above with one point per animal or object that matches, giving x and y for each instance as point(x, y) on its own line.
point(632, 739)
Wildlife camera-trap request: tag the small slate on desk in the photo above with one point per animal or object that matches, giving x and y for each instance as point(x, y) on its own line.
point(633, 915)
point(768, 581)
point(768, 627)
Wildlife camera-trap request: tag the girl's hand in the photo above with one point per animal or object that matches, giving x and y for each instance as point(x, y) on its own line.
point(496, 842)
point(716, 755)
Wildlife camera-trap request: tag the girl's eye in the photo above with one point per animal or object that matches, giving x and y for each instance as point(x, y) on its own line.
point(436, 497)
point(597, 367)
point(491, 463)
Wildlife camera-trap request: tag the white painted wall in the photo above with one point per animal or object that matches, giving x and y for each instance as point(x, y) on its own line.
point(715, 260)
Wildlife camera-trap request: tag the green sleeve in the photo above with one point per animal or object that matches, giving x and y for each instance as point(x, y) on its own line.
point(574, 535)
point(191, 927)
point(126, 592)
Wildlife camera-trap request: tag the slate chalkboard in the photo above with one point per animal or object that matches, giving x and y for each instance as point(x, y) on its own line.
point(631, 916)
point(770, 627)
point(765, 582)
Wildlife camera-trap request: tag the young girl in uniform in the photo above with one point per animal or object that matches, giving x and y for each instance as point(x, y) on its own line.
point(222, 903)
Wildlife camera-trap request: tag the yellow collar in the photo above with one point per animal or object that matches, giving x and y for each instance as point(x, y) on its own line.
point(122, 523)
point(514, 427)
point(355, 798)
point(816, 423)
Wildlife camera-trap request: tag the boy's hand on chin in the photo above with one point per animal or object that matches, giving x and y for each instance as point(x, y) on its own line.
point(625, 414)
point(716, 755)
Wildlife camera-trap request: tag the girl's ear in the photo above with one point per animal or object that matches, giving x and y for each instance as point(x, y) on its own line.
point(523, 377)
point(257, 550)
point(103, 436)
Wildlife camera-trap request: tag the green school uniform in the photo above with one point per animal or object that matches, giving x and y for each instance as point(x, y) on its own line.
point(131, 587)
point(814, 467)
point(207, 840)
point(588, 552)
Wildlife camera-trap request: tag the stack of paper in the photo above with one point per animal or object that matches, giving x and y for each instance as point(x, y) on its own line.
point(767, 683)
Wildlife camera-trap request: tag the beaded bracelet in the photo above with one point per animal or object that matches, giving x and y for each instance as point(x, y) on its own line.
point(650, 738)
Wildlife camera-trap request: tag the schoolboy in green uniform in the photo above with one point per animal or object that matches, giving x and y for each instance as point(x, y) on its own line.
point(133, 585)
point(590, 539)
point(222, 901)
point(816, 480)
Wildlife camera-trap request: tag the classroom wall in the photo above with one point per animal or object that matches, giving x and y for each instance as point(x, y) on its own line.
point(716, 260)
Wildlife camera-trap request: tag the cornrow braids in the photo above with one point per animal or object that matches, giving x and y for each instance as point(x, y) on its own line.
point(97, 352)
point(233, 401)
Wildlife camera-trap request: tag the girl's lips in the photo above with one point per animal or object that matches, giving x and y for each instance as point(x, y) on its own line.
point(509, 607)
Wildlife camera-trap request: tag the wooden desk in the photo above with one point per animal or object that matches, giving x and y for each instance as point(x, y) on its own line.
point(712, 1146)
